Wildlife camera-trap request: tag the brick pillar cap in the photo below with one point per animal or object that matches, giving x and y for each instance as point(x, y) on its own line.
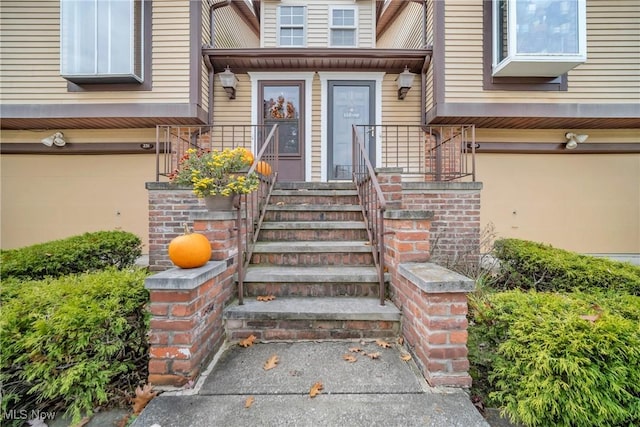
point(389, 170)
point(435, 279)
point(185, 278)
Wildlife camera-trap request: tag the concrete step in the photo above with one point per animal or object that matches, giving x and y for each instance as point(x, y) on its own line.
point(327, 197)
point(313, 225)
point(312, 319)
point(320, 233)
point(308, 253)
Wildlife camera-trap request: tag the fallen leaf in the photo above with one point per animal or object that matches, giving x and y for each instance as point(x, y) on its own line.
point(405, 357)
point(280, 204)
point(123, 422)
point(249, 402)
point(400, 340)
point(271, 363)
point(316, 389)
point(355, 350)
point(383, 344)
point(247, 342)
point(143, 396)
point(349, 358)
point(266, 298)
point(372, 356)
point(591, 317)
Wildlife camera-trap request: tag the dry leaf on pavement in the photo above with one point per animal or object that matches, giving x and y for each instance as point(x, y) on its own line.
point(316, 389)
point(247, 342)
point(271, 363)
point(249, 402)
point(266, 298)
point(349, 358)
point(373, 356)
point(143, 396)
point(383, 344)
point(405, 357)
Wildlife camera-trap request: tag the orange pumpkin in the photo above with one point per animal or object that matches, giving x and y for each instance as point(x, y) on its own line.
point(247, 156)
point(190, 250)
point(263, 168)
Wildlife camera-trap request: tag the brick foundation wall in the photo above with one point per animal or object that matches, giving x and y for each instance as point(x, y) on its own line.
point(186, 326)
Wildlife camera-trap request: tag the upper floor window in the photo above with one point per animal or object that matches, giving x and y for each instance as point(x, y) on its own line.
point(291, 25)
point(538, 38)
point(101, 41)
point(342, 27)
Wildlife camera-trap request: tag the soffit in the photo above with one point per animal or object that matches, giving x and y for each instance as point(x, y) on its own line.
point(540, 122)
point(318, 59)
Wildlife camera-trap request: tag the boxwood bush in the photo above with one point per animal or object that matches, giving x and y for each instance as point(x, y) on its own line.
point(559, 359)
point(74, 342)
point(86, 252)
point(530, 265)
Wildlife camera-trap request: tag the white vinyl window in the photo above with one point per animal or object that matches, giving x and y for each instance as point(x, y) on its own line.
point(291, 26)
point(342, 23)
point(538, 38)
point(101, 41)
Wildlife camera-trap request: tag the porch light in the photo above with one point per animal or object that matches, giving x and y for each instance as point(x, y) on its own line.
point(56, 139)
point(404, 80)
point(229, 82)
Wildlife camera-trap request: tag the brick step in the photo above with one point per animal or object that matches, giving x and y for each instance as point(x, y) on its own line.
point(313, 230)
point(312, 319)
point(315, 185)
point(351, 212)
point(329, 197)
point(298, 253)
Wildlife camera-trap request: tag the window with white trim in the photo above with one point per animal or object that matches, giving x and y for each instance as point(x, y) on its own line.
point(538, 38)
point(101, 41)
point(342, 26)
point(292, 26)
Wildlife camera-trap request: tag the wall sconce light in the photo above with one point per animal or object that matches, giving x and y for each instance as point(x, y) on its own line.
point(229, 82)
point(573, 139)
point(404, 80)
point(56, 139)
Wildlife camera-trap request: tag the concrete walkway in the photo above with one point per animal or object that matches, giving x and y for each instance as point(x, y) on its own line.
point(386, 391)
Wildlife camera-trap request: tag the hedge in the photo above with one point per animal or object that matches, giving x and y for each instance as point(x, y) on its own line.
point(530, 265)
point(559, 359)
point(74, 342)
point(77, 254)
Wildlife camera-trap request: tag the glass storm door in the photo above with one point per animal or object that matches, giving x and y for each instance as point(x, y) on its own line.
point(350, 102)
point(282, 104)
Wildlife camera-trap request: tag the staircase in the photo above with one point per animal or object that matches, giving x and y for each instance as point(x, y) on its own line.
point(314, 257)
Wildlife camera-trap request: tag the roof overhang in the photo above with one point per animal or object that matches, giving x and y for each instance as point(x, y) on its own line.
point(319, 59)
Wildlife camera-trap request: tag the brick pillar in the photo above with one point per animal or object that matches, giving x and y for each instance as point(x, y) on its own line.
point(406, 236)
point(220, 229)
point(390, 180)
point(433, 301)
point(186, 326)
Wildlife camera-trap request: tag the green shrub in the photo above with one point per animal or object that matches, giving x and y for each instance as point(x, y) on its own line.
point(77, 254)
point(553, 364)
point(530, 265)
point(73, 342)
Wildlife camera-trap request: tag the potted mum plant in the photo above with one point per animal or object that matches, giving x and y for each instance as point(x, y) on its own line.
point(216, 176)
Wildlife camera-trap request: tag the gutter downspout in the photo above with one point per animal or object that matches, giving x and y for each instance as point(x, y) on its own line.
point(207, 60)
point(423, 96)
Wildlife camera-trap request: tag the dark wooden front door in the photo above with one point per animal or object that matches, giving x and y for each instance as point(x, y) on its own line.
point(283, 103)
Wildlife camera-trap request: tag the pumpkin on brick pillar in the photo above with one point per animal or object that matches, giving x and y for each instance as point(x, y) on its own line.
point(189, 250)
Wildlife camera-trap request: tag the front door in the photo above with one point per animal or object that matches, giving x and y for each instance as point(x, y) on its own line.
point(350, 102)
point(282, 103)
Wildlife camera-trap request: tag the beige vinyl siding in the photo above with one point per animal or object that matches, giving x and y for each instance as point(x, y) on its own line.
point(30, 51)
point(233, 111)
point(231, 30)
point(610, 75)
point(406, 32)
point(204, 41)
point(317, 26)
point(316, 130)
point(404, 112)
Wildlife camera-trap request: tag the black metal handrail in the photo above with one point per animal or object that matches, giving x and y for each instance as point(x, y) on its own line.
point(429, 153)
point(252, 208)
point(373, 205)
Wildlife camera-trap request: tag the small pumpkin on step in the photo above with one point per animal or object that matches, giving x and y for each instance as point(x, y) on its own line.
point(189, 250)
